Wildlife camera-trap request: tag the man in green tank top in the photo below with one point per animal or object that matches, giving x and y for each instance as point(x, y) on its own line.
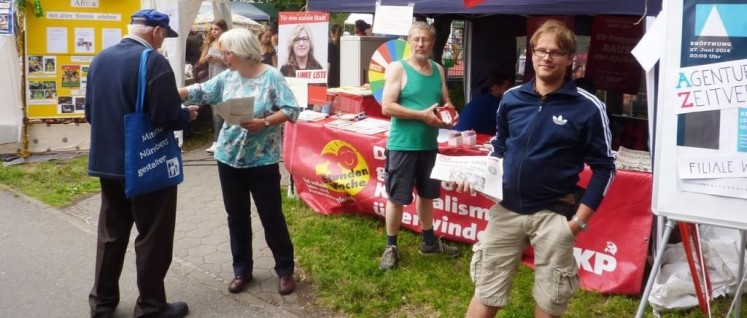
point(414, 87)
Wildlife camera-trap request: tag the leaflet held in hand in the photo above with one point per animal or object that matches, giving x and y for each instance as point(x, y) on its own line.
point(234, 110)
point(483, 173)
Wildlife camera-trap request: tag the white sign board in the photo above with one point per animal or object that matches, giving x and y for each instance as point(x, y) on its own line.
point(700, 168)
point(393, 20)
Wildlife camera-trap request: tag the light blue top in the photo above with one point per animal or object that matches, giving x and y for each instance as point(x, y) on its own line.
point(238, 147)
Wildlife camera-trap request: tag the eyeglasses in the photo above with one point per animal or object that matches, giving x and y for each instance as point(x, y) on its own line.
point(300, 39)
point(225, 53)
point(553, 54)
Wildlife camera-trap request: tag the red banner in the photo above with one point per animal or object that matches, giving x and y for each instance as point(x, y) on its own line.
point(337, 171)
point(610, 64)
point(472, 3)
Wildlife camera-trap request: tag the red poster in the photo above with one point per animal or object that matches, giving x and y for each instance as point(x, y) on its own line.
point(610, 64)
point(338, 171)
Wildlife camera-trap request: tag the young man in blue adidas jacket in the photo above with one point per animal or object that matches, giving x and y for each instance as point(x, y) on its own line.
point(547, 129)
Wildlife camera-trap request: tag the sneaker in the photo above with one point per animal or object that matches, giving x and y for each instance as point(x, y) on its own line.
point(212, 148)
point(438, 248)
point(390, 258)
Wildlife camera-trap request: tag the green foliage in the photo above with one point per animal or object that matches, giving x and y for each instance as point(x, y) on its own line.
point(456, 94)
point(57, 182)
point(285, 5)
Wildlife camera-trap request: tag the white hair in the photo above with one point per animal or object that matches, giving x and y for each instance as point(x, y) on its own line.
point(243, 43)
point(139, 28)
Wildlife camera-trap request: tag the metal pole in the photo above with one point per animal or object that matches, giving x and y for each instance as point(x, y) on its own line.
point(656, 267)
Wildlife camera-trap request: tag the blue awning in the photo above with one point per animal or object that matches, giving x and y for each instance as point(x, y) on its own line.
point(521, 7)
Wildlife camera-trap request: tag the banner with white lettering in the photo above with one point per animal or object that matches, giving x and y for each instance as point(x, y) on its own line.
point(610, 64)
point(339, 171)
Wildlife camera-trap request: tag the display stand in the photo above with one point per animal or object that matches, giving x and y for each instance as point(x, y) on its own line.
point(688, 134)
point(668, 227)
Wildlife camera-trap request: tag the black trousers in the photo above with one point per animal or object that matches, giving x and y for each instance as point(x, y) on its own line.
point(264, 185)
point(154, 215)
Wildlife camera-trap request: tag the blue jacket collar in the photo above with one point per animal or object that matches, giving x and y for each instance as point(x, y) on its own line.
point(568, 88)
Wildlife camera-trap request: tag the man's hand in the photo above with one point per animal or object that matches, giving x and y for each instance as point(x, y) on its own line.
point(464, 186)
point(430, 118)
point(193, 112)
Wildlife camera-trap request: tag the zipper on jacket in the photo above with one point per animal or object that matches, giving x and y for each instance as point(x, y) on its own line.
point(526, 147)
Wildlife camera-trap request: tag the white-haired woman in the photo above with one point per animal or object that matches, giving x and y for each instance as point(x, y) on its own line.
point(248, 154)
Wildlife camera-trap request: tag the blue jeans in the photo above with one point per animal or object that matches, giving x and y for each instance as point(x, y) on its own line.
point(263, 183)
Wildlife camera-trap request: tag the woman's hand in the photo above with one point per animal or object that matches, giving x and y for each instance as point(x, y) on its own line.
point(253, 125)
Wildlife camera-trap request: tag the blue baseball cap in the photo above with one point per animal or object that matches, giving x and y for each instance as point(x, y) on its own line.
point(154, 18)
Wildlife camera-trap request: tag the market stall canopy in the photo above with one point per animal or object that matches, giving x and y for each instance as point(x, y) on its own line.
point(243, 9)
point(204, 20)
point(523, 7)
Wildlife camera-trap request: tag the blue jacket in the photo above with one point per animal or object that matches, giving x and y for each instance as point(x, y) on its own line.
point(545, 143)
point(479, 115)
point(110, 95)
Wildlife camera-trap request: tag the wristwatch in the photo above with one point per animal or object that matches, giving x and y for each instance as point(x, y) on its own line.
point(581, 224)
point(267, 122)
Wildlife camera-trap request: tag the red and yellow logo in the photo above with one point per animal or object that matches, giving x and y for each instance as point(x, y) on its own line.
point(343, 168)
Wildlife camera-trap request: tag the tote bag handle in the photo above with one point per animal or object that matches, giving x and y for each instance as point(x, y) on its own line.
point(141, 81)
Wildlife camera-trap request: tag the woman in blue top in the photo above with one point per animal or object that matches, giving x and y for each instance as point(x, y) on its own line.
point(248, 154)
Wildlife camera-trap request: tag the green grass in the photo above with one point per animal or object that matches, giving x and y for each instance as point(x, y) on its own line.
point(340, 254)
point(57, 182)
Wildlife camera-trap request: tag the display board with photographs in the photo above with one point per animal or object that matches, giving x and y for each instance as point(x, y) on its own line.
point(60, 47)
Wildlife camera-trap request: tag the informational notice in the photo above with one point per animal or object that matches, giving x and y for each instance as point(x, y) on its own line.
point(711, 93)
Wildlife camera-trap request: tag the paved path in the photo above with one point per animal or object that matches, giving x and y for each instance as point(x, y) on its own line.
point(46, 267)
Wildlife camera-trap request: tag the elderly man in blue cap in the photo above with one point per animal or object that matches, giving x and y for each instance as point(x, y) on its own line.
point(110, 95)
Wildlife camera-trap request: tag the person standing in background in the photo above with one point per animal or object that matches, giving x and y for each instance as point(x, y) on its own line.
point(361, 27)
point(111, 92)
point(479, 114)
point(211, 57)
point(269, 55)
point(333, 56)
point(193, 49)
point(275, 36)
point(547, 130)
point(413, 88)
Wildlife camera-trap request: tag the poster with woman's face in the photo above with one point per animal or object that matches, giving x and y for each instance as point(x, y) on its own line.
point(302, 45)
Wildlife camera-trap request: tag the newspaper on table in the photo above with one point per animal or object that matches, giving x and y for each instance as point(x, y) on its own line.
point(483, 173)
point(635, 160)
point(234, 110)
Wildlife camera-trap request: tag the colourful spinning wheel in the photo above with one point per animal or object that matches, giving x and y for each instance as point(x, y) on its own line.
point(388, 52)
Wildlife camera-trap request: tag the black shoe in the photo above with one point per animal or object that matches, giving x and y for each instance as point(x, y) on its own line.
point(173, 310)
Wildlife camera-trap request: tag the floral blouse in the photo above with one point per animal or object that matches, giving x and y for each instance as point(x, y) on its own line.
point(238, 147)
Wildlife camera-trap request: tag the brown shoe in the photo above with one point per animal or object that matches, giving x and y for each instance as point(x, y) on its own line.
point(239, 283)
point(286, 285)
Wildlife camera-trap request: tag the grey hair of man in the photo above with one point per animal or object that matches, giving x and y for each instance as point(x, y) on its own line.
point(242, 43)
point(420, 25)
